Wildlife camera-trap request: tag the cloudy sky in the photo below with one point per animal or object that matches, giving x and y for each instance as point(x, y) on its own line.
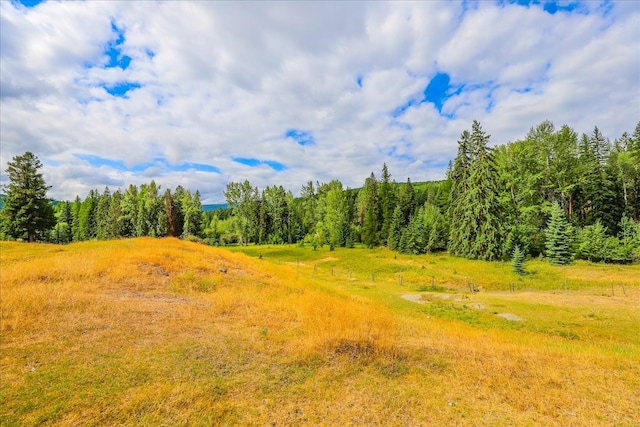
point(202, 93)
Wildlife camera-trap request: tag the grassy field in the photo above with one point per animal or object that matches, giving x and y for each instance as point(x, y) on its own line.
point(166, 332)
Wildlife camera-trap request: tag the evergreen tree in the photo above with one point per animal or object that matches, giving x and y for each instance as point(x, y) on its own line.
point(435, 229)
point(406, 201)
point(517, 260)
point(558, 237)
point(75, 225)
point(87, 216)
point(103, 227)
point(309, 201)
point(27, 212)
point(414, 237)
point(395, 229)
point(179, 196)
point(370, 226)
point(387, 203)
point(129, 217)
point(115, 216)
point(336, 215)
point(61, 232)
point(459, 232)
point(476, 220)
point(481, 204)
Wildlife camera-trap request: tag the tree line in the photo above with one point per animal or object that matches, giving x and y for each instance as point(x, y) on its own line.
point(552, 193)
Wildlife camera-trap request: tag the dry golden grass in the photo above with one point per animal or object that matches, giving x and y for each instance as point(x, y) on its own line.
point(165, 332)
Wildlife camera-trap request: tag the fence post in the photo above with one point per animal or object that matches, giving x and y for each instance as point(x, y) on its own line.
point(624, 290)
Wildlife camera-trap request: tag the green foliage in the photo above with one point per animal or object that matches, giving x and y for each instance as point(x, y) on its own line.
point(476, 214)
point(492, 201)
point(558, 237)
point(372, 217)
point(592, 242)
point(387, 203)
point(517, 260)
point(27, 212)
point(243, 199)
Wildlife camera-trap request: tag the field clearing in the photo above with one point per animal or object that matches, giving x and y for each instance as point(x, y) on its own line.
point(166, 332)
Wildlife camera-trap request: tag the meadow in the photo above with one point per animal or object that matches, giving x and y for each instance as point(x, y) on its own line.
point(167, 332)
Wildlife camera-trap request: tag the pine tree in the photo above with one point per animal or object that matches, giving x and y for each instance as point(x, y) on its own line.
point(558, 237)
point(27, 212)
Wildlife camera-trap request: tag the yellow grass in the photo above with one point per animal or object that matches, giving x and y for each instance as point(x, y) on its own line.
point(166, 332)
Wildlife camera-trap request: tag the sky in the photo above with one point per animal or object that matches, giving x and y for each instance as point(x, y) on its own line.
point(199, 93)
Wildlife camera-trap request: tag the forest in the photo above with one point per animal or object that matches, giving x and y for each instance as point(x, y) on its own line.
point(553, 194)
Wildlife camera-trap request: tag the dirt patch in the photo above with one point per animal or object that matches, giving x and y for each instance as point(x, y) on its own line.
point(477, 306)
point(150, 297)
point(511, 317)
point(414, 298)
point(153, 269)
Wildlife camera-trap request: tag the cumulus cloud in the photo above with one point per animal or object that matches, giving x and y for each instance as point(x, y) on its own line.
point(202, 93)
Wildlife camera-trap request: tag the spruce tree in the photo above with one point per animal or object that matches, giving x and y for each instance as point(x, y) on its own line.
point(558, 237)
point(459, 238)
point(27, 212)
point(482, 204)
point(517, 260)
point(475, 213)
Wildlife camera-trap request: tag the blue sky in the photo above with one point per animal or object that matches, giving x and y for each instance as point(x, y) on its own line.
point(202, 93)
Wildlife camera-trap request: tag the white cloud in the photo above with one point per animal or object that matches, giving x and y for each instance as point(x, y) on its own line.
point(227, 80)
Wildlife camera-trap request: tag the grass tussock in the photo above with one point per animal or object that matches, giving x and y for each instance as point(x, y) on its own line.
point(166, 332)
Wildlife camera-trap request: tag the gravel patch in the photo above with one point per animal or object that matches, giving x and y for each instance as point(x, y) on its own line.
point(510, 317)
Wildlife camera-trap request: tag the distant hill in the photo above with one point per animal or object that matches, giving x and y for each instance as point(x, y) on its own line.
point(214, 207)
